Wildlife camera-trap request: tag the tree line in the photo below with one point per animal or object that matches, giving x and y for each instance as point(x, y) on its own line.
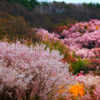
point(49, 14)
point(28, 4)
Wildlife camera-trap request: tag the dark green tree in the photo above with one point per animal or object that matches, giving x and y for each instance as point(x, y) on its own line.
point(29, 4)
point(98, 5)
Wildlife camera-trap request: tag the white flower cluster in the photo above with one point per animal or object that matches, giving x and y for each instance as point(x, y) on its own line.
point(89, 80)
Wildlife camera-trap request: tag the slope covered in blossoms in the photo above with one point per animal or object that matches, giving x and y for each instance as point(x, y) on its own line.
point(83, 38)
point(43, 71)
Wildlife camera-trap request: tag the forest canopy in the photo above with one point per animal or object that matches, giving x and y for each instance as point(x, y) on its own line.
point(47, 15)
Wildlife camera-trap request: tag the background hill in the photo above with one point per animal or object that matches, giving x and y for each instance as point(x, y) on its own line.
point(18, 16)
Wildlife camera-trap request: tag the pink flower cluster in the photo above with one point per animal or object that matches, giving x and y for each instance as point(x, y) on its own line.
point(84, 39)
point(23, 67)
point(45, 35)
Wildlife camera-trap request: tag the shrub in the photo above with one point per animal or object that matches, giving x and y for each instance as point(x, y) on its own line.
point(31, 72)
point(77, 89)
point(78, 66)
point(57, 45)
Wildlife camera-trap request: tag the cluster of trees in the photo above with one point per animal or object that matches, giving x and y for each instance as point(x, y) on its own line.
point(47, 15)
point(15, 27)
point(28, 4)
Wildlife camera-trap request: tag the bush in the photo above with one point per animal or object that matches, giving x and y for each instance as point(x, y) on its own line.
point(78, 66)
point(31, 72)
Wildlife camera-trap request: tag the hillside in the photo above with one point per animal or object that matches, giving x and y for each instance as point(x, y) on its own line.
point(49, 51)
